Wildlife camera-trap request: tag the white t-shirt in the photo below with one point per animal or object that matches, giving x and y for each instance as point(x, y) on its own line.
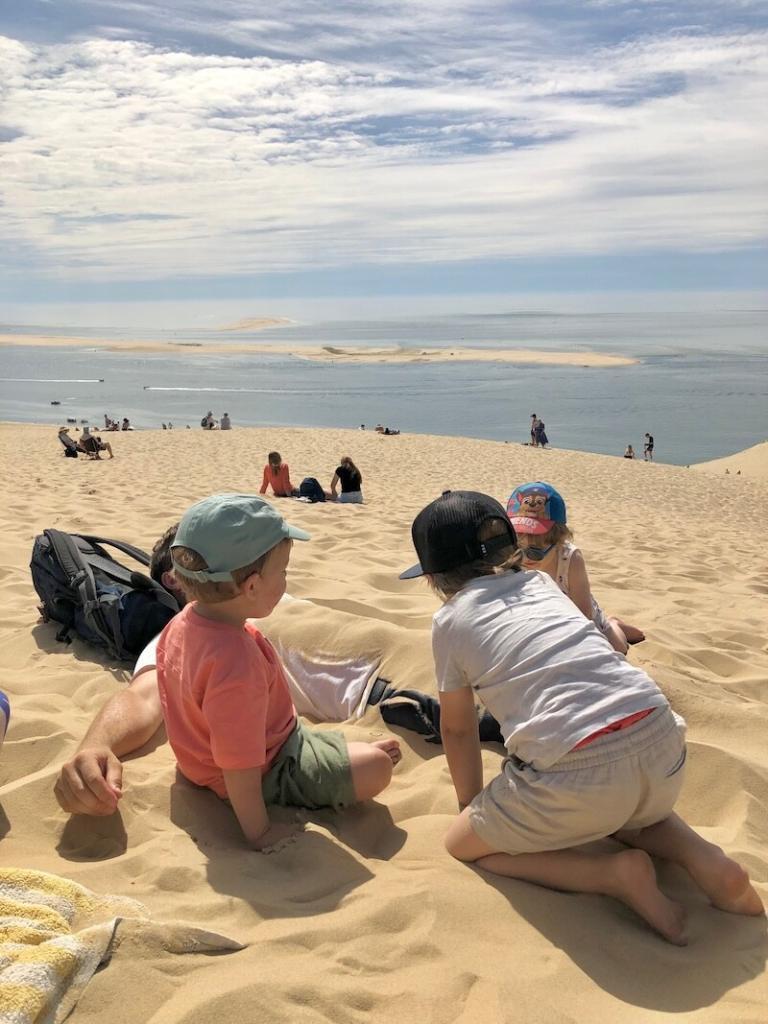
point(326, 690)
point(546, 674)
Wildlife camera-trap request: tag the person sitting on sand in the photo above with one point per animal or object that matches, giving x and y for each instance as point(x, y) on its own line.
point(126, 425)
point(538, 515)
point(278, 477)
point(226, 422)
point(594, 749)
point(91, 780)
point(94, 444)
point(348, 475)
point(226, 703)
point(629, 452)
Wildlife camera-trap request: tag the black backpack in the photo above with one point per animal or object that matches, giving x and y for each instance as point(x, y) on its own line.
point(310, 488)
point(91, 594)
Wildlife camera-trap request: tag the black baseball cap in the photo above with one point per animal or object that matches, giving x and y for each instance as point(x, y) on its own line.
point(445, 533)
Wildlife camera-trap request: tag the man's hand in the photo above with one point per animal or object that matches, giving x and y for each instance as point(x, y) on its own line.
point(90, 783)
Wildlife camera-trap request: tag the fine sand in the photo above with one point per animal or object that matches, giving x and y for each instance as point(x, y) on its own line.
point(751, 463)
point(366, 918)
point(329, 353)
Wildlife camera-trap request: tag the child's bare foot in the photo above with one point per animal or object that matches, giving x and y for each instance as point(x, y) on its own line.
point(391, 747)
point(634, 883)
point(724, 880)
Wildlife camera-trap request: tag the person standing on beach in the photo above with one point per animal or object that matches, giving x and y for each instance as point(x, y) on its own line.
point(648, 448)
point(534, 431)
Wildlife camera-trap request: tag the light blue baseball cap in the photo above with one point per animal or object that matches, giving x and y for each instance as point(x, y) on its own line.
point(230, 531)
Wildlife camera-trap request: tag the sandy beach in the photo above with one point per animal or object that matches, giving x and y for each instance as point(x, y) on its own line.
point(329, 353)
point(366, 918)
point(751, 463)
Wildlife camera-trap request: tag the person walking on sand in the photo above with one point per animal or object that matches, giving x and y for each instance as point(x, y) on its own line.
point(648, 448)
point(226, 702)
point(594, 749)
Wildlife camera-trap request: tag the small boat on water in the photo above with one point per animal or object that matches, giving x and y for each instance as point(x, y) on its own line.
point(55, 403)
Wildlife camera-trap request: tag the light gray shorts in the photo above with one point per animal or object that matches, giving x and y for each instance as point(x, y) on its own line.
point(625, 780)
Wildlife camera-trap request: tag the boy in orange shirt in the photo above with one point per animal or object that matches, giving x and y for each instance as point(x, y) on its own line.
point(226, 704)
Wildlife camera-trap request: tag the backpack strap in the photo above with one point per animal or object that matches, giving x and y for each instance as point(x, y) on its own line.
point(121, 545)
point(127, 576)
point(80, 577)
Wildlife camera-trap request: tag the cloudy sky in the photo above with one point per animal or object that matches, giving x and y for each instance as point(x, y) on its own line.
point(185, 149)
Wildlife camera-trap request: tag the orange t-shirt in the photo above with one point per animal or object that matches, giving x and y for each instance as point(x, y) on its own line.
point(279, 478)
point(225, 699)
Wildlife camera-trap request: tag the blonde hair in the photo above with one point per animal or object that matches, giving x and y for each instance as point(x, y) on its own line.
point(555, 534)
point(211, 592)
point(446, 584)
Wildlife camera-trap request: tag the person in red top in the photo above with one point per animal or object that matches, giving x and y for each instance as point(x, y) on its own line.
point(277, 475)
point(226, 703)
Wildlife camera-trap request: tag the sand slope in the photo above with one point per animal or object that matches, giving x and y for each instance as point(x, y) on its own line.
point(366, 918)
point(752, 463)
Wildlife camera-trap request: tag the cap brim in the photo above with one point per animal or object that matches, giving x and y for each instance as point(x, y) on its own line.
point(527, 524)
point(296, 534)
point(412, 573)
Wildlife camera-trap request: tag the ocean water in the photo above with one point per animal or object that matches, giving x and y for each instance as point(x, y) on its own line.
point(701, 387)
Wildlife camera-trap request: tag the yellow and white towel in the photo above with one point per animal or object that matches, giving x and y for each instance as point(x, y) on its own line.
point(54, 933)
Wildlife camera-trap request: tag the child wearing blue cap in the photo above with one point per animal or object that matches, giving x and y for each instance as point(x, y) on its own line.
point(594, 750)
point(537, 512)
point(226, 703)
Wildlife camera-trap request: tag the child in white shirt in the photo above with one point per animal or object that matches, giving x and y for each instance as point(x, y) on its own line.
point(594, 750)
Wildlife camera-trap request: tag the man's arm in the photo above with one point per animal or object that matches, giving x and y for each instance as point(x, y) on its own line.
point(458, 727)
point(91, 781)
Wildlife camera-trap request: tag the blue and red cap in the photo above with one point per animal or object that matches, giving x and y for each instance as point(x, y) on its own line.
point(535, 508)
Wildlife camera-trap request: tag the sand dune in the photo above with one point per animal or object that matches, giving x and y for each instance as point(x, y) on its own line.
point(751, 463)
point(366, 918)
point(330, 353)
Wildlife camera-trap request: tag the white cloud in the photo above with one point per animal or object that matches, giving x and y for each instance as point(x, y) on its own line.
point(126, 160)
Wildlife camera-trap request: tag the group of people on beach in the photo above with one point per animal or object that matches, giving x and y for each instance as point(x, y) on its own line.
point(116, 424)
point(209, 423)
point(629, 451)
point(346, 484)
point(88, 444)
point(539, 437)
point(593, 748)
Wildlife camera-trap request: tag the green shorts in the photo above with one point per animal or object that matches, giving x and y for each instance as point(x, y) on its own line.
point(312, 770)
